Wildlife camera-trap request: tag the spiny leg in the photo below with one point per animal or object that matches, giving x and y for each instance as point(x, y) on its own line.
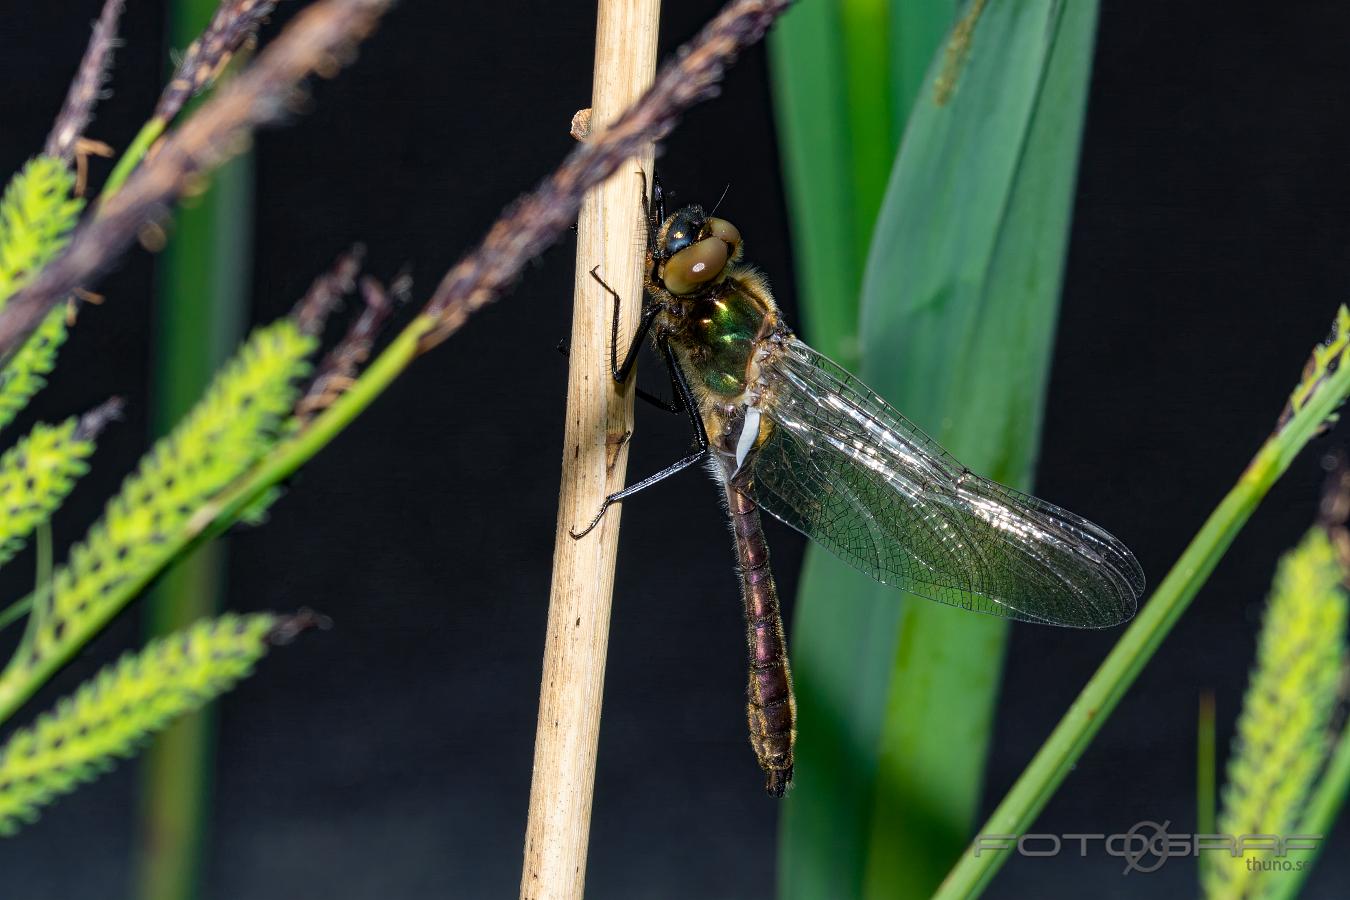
point(632, 489)
point(621, 371)
point(686, 399)
point(652, 208)
point(660, 403)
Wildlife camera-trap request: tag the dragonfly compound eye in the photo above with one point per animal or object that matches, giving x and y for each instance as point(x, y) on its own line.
point(721, 228)
point(695, 266)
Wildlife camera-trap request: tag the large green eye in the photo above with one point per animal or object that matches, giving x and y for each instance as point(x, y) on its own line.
point(695, 266)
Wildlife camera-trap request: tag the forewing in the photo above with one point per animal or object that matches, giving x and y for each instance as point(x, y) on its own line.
point(849, 471)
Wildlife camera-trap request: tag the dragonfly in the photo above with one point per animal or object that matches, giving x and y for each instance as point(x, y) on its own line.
point(782, 428)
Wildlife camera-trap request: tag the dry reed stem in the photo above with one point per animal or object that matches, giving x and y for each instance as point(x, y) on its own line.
point(595, 451)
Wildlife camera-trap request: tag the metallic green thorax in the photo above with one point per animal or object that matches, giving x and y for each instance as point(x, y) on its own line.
point(724, 328)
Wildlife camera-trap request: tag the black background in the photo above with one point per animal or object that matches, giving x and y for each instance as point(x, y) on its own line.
point(391, 756)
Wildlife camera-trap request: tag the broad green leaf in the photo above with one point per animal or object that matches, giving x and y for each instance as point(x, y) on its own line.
point(959, 307)
point(839, 124)
point(807, 57)
point(842, 94)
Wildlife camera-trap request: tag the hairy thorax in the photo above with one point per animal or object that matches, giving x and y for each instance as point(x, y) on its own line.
point(719, 335)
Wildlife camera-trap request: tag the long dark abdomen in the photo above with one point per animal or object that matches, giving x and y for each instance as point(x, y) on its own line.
point(772, 710)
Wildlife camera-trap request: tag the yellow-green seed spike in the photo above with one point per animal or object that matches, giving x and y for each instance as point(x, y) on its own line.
point(37, 214)
point(36, 474)
point(26, 371)
point(1280, 744)
point(231, 427)
point(110, 715)
point(1326, 358)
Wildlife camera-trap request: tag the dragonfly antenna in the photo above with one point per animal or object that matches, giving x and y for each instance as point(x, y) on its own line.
point(720, 199)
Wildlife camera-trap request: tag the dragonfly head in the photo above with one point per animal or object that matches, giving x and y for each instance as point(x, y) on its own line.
point(693, 249)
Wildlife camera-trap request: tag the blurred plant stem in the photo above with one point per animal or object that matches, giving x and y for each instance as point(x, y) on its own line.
point(1205, 765)
point(199, 314)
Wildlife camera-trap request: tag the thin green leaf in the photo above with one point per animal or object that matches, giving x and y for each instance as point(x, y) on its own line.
point(1205, 767)
point(871, 135)
point(1323, 390)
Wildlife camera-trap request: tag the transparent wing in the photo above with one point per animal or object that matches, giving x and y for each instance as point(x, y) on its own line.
point(850, 472)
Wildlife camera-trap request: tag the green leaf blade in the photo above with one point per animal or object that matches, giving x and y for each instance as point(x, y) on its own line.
point(842, 100)
point(959, 307)
point(807, 56)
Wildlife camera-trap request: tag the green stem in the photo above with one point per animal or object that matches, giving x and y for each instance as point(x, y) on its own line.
point(282, 462)
point(135, 152)
point(198, 318)
point(15, 611)
point(1205, 778)
point(42, 584)
point(1056, 758)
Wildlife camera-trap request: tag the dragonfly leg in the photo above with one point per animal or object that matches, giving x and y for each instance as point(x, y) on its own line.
point(684, 395)
point(690, 460)
point(619, 370)
point(653, 210)
point(657, 213)
point(686, 399)
point(646, 396)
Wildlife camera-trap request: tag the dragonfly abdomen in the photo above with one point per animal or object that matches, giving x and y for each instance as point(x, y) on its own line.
point(771, 709)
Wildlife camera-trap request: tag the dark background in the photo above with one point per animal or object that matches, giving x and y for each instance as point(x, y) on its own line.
point(391, 756)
